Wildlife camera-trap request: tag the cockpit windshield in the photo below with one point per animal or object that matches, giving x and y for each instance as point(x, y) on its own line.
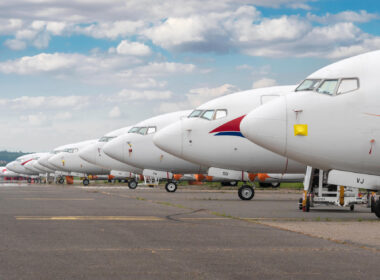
point(143, 130)
point(308, 84)
point(328, 87)
point(195, 114)
point(71, 150)
point(134, 129)
point(209, 114)
point(106, 138)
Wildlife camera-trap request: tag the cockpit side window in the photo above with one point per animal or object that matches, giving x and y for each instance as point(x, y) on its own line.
point(308, 84)
point(151, 130)
point(208, 114)
point(347, 85)
point(220, 113)
point(328, 87)
point(195, 114)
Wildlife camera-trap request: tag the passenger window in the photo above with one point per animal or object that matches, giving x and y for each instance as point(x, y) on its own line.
point(208, 114)
point(328, 87)
point(220, 114)
point(347, 85)
point(151, 130)
point(195, 114)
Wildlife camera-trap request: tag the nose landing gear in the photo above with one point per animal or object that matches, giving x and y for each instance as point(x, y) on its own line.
point(246, 192)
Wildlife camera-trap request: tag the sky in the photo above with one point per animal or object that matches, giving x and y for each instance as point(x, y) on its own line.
point(75, 70)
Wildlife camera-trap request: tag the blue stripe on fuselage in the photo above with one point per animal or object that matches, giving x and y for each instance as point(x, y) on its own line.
point(230, 133)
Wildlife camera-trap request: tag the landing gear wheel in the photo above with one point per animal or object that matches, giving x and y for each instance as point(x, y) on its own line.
point(352, 207)
point(61, 181)
point(377, 208)
point(300, 203)
point(170, 187)
point(132, 184)
point(306, 208)
point(246, 192)
point(86, 182)
point(373, 204)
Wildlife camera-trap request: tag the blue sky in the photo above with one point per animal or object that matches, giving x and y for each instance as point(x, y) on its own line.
point(74, 70)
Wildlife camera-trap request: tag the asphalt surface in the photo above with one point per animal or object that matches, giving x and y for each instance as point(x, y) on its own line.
point(70, 232)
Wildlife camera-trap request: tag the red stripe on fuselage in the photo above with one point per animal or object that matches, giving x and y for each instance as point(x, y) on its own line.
point(233, 125)
point(26, 162)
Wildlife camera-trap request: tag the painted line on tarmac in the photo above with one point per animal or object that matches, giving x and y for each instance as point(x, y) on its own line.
point(54, 199)
point(89, 218)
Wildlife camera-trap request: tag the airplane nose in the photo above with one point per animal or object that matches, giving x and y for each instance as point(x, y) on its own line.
point(115, 148)
point(169, 139)
point(89, 154)
point(56, 161)
point(266, 125)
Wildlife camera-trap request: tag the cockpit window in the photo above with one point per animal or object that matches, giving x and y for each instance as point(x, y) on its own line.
point(106, 138)
point(151, 130)
point(134, 129)
point(221, 113)
point(208, 114)
point(195, 114)
point(328, 87)
point(347, 85)
point(308, 84)
point(142, 130)
point(71, 150)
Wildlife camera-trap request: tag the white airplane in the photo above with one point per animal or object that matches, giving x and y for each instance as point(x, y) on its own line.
point(69, 161)
point(18, 166)
point(331, 123)
point(4, 172)
point(94, 154)
point(136, 148)
point(210, 136)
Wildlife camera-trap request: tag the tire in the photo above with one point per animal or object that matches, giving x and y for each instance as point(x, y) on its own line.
point(352, 207)
point(265, 185)
point(275, 185)
point(234, 183)
point(86, 182)
point(377, 208)
point(246, 192)
point(61, 181)
point(229, 184)
point(132, 184)
point(307, 207)
point(300, 203)
point(170, 187)
point(373, 204)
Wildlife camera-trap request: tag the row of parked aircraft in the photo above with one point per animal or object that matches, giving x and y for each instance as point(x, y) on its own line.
point(270, 135)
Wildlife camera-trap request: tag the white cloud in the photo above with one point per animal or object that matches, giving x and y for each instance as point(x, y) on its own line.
point(114, 112)
point(346, 16)
point(38, 119)
point(15, 44)
point(132, 95)
point(264, 82)
point(131, 48)
point(196, 97)
point(63, 116)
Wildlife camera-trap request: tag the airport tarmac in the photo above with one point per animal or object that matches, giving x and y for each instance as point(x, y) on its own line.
point(102, 232)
